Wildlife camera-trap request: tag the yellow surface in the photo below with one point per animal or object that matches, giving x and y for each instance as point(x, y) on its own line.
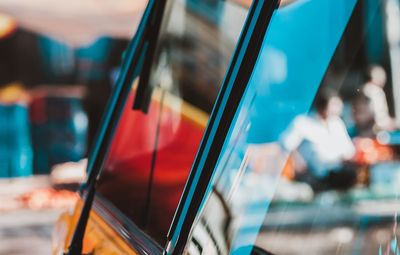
point(13, 93)
point(188, 111)
point(178, 105)
point(100, 238)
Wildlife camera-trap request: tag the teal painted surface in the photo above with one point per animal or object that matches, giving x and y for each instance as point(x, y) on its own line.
point(59, 128)
point(15, 142)
point(61, 62)
point(374, 24)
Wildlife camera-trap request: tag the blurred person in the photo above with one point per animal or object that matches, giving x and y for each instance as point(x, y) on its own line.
point(363, 116)
point(373, 89)
point(322, 141)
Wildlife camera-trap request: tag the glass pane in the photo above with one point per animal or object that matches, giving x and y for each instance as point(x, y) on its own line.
point(311, 163)
point(152, 153)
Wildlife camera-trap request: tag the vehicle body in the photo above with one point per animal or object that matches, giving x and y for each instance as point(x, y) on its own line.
point(189, 158)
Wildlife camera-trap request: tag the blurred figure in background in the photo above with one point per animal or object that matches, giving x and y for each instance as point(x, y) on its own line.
point(363, 117)
point(373, 90)
point(322, 141)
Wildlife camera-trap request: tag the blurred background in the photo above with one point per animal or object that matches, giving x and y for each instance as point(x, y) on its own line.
point(58, 62)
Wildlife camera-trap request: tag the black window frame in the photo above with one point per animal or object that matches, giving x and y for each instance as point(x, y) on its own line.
point(235, 83)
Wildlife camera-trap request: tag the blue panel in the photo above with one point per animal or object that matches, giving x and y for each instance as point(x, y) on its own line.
point(297, 51)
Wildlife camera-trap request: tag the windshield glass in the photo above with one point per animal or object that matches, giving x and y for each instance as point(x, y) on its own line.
point(152, 152)
point(311, 162)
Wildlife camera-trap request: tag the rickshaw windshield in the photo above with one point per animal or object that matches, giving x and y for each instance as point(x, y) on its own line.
point(311, 162)
point(154, 145)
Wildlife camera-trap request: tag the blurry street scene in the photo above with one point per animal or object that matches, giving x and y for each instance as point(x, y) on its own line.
point(58, 63)
point(26, 223)
point(301, 152)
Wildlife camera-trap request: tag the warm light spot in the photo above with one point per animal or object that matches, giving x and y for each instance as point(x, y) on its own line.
point(7, 25)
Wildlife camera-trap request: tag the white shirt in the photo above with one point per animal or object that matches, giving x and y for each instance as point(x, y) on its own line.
point(378, 103)
point(323, 144)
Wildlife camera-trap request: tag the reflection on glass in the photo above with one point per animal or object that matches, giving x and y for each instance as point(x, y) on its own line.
point(309, 165)
point(152, 153)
